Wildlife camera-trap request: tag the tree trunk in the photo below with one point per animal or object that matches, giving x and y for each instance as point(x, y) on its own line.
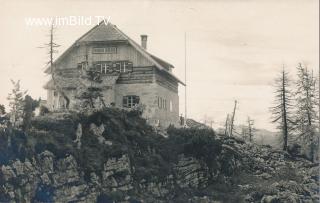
point(285, 122)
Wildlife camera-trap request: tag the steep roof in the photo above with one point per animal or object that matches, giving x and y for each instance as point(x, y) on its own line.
point(162, 62)
point(109, 32)
point(102, 33)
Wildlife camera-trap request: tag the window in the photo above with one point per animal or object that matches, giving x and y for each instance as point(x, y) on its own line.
point(111, 50)
point(106, 67)
point(82, 66)
point(162, 103)
point(130, 101)
point(55, 93)
point(171, 108)
point(104, 50)
point(98, 50)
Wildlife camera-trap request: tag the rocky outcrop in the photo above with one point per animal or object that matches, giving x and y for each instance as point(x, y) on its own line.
point(43, 177)
point(190, 172)
point(119, 158)
point(117, 174)
point(47, 178)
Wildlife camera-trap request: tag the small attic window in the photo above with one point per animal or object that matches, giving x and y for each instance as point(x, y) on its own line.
point(111, 50)
point(98, 50)
point(104, 50)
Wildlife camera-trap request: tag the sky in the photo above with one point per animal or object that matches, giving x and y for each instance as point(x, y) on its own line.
point(235, 48)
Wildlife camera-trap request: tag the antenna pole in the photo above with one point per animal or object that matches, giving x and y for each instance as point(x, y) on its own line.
point(185, 78)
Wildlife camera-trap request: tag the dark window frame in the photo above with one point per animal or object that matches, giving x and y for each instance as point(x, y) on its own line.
point(130, 101)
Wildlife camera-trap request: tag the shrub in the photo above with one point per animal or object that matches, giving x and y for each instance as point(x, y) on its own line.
point(199, 143)
point(44, 193)
point(294, 150)
point(43, 110)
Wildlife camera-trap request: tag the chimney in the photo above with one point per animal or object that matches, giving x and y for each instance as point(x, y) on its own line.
point(144, 41)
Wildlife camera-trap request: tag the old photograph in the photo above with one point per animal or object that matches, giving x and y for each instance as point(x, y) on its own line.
point(159, 101)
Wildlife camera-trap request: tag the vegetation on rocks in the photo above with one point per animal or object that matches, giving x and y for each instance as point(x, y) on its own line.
point(114, 155)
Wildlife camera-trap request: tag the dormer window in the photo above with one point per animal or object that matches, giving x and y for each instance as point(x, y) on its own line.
point(104, 50)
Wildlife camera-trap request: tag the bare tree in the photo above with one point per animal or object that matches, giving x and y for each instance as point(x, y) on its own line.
point(232, 118)
point(226, 131)
point(306, 112)
point(244, 132)
point(52, 49)
point(282, 111)
point(250, 128)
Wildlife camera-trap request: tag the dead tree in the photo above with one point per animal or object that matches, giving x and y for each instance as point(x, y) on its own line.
point(52, 49)
point(232, 118)
point(282, 109)
point(250, 128)
point(226, 131)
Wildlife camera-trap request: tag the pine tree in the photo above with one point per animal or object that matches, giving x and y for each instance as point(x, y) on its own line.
point(3, 117)
point(16, 103)
point(28, 107)
point(2, 110)
point(282, 109)
point(93, 92)
point(306, 112)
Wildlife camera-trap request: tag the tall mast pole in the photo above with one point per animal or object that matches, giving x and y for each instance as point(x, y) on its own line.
point(319, 102)
point(185, 78)
point(319, 106)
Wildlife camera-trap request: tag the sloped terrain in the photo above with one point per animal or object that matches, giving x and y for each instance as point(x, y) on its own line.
point(114, 156)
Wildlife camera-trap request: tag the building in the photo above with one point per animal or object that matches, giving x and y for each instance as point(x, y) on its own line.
point(130, 76)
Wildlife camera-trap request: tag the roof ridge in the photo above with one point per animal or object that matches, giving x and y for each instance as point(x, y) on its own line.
point(138, 47)
point(145, 53)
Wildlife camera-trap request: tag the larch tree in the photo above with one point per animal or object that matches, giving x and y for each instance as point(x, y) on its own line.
point(283, 108)
point(306, 109)
point(16, 103)
point(52, 50)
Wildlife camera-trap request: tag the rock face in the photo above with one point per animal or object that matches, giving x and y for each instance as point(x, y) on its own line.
point(191, 173)
point(46, 178)
point(120, 159)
